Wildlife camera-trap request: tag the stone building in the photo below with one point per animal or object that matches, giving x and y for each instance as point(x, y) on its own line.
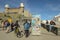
point(57, 18)
point(19, 10)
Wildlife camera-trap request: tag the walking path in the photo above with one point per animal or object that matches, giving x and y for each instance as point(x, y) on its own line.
point(44, 36)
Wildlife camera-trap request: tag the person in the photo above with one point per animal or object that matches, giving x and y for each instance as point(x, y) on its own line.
point(47, 25)
point(17, 28)
point(12, 25)
point(10, 20)
point(29, 23)
point(17, 24)
point(2, 23)
point(47, 22)
point(26, 28)
point(7, 24)
point(52, 23)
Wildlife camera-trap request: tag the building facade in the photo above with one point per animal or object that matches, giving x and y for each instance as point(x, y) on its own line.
point(19, 10)
point(57, 18)
point(14, 10)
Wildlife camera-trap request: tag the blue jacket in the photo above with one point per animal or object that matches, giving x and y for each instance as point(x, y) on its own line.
point(26, 26)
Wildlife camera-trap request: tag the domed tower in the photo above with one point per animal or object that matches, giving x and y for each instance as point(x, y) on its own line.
point(6, 8)
point(21, 11)
point(22, 5)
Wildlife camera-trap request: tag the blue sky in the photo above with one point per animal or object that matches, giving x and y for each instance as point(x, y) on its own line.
point(46, 8)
